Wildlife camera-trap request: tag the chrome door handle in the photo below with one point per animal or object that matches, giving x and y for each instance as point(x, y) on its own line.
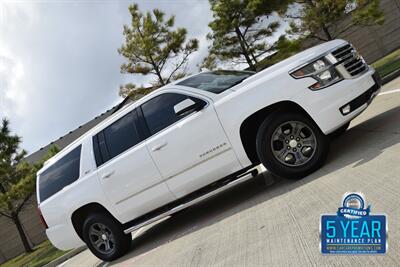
point(108, 175)
point(159, 147)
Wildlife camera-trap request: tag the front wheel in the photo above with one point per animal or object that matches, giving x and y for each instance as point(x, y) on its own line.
point(105, 238)
point(291, 145)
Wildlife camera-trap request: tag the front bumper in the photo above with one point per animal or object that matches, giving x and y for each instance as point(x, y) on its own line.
point(365, 98)
point(324, 106)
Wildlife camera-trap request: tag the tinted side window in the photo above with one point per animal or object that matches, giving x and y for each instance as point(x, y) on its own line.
point(159, 111)
point(121, 135)
point(62, 173)
point(116, 138)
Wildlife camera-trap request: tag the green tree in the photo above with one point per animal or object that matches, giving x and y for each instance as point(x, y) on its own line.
point(209, 63)
point(240, 28)
point(153, 47)
point(321, 19)
point(17, 178)
point(133, 91)
point(284, 48)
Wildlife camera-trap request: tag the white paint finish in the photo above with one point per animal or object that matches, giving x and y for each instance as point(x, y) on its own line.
point(323, 105)
point(88, 164)
point(194, 152)
point(204, 173)
point(58, 209)
point(183, 105)
point(274, 85)
point(195, 201)
point(197, 152)
point(135, 185)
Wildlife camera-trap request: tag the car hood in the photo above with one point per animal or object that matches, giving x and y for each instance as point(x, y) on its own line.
point(292, 62)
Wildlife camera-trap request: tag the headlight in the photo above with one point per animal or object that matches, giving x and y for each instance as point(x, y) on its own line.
point(323, 71)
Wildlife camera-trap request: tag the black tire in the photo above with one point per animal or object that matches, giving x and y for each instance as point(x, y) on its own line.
point(340, 131)
point(121, 241)
point(265, 146)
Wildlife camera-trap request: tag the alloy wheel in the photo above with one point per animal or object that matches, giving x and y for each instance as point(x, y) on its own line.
point(293, 143)
point(102, 238)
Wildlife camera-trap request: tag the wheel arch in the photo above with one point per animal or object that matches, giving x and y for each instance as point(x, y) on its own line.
point(250, 126)
point(78, 216)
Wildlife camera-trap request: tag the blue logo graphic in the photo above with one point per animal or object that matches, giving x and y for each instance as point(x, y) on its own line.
point(353, 230)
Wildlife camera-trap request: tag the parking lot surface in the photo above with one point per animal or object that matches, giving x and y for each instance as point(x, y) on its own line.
point(278, 225)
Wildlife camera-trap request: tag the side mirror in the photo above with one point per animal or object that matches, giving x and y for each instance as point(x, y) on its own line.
point(187, 105)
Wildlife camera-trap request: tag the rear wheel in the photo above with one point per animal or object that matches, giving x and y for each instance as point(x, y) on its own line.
point(105, 238)
point(291, 145)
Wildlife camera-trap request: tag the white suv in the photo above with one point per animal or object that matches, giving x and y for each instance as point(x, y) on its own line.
point(196, 137)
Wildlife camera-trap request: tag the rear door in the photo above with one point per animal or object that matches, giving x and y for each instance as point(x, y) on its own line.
point(191, 150)
point(126, 170)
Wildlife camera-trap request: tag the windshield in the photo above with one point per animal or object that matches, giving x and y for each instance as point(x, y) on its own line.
point(216, 81)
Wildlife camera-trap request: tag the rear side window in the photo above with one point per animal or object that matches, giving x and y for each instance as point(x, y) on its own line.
point(115, 139)
point(62, 173)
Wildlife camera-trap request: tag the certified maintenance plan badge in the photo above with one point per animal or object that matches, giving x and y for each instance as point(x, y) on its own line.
point(353, 230)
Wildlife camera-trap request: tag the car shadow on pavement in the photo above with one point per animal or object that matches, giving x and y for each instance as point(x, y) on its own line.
point(359, 145)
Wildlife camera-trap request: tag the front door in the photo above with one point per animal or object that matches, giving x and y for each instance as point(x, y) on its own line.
point(191, 149)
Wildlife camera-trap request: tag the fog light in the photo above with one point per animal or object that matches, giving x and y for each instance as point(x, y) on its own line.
point(346, 109)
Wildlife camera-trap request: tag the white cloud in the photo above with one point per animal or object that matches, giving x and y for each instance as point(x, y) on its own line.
point(11, 74)
point(59, 65)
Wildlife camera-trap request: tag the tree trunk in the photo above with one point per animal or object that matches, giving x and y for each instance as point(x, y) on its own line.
point(244, 50)
point(324, 28)
point(21, 232)
point(254, 58)
point(158, 71)
point(160, 78)
point(248, 48)
point(327, 33)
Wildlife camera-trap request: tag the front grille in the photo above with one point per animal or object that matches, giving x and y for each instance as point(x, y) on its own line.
point(350, 59)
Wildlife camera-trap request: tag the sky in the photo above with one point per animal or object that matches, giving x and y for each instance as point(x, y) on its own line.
point(59, 65)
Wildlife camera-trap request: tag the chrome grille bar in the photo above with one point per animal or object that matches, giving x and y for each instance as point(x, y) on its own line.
point(348, 57)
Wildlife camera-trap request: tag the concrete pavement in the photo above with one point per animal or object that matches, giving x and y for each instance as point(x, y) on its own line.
point(278, 225)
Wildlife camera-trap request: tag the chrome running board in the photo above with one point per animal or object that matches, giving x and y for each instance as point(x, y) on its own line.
point(240, 179)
